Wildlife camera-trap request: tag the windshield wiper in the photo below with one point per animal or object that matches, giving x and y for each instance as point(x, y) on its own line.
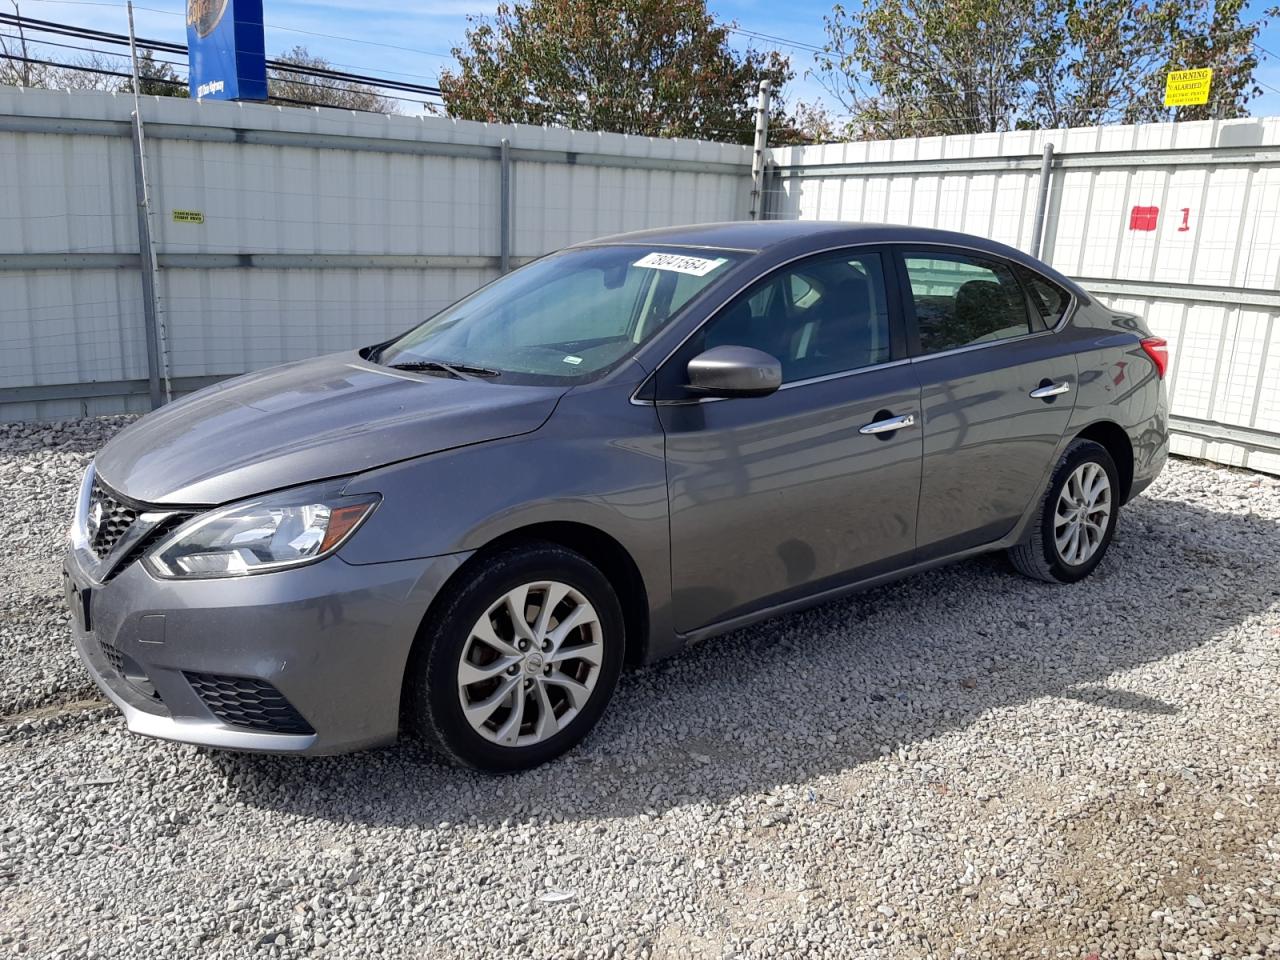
point(462, 371)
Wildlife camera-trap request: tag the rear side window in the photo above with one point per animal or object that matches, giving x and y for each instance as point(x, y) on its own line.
point(1048, 300)
point(960, 301)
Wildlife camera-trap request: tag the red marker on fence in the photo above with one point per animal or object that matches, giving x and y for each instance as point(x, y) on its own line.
point(1143, 218)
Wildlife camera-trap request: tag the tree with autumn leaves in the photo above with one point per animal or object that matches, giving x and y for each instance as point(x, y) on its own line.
point(897, 68)
point(908, 68)
point(660, 68)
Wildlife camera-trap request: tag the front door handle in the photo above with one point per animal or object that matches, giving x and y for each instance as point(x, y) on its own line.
point(889, 425)
point(1051, 390)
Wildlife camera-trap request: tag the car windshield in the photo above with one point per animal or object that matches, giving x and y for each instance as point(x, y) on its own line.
point(565, 318)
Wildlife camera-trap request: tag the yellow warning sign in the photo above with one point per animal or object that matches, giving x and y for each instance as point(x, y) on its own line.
point(1187, 88)
point(188, 216)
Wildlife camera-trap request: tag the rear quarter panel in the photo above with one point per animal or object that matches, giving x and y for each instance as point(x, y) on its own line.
point(1120, 383)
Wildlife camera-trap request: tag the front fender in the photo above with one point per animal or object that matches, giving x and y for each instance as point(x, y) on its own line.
point(598, 461)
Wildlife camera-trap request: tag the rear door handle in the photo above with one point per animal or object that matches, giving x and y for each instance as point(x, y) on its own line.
point(1051, 390)
point(888, 426)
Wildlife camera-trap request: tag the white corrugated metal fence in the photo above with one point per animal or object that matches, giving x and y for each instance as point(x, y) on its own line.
point(284, 233)
point(297, 232)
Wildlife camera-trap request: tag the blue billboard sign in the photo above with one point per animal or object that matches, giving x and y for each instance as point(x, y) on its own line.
point(226, 50)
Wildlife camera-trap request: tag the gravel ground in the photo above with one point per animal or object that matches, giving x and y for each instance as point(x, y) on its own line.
point(964, 764)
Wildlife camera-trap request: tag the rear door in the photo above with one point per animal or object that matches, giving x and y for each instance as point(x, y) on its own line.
point(772, 498)
point(997, 390)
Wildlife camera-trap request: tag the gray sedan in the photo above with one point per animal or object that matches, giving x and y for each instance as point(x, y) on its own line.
point(622, 448)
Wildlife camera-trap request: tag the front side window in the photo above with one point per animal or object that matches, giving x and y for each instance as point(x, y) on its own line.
point(821, 316)
point(564, 318)
point(960, 301)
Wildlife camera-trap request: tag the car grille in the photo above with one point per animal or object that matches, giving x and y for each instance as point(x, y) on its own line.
point(147, 541)
point(246, 702)
point(114, 518)
point(113, 657)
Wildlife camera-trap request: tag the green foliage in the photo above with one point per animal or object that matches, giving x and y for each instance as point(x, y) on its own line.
point(155, 79)
point(905, 68)
point(661, 68)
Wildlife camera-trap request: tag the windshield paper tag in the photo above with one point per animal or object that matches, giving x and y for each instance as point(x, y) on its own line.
point(679, 263)
point(573, 360)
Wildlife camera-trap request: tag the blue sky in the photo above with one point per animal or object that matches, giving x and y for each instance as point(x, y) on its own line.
point(411, 40)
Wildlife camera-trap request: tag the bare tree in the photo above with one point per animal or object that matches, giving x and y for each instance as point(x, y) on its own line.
point(16, 70)
point(293, 88)
point(83, 74)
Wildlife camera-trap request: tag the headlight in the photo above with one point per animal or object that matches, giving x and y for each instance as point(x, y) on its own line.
point(271, 533)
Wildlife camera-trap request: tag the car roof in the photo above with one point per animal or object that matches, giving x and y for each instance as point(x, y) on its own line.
point(802, 236)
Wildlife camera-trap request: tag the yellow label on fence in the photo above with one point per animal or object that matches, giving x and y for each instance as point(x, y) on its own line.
point(188, 216)
point(1187, 88)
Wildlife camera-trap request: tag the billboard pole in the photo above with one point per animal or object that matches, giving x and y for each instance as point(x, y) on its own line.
point(157, 365)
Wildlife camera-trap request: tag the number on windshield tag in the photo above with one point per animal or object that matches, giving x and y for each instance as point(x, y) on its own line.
point(679, 263)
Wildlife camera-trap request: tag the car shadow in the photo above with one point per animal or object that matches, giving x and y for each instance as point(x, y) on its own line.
point(839, 685)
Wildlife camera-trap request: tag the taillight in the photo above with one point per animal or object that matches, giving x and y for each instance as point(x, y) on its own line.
point(1157, 349)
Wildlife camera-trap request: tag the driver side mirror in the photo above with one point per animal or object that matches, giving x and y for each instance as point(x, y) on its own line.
point(731, 371)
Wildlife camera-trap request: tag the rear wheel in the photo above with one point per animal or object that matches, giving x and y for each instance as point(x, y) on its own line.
point(1077, 517)
point(519, 662)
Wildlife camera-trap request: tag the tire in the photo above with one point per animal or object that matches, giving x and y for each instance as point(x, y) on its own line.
point(509, 688)
point(1041, 556)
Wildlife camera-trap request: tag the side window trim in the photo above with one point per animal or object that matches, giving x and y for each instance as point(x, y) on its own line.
point(917, 354)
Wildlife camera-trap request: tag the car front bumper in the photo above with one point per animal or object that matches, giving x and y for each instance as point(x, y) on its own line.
point(309, 660)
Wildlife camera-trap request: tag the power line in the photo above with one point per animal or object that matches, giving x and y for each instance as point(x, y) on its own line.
point(180, 82)
point(113, 53)
point(273, 26)
point(371, 43)
point(105, 36)
point(796, 44)
point(1263, 83)
point(98, 70)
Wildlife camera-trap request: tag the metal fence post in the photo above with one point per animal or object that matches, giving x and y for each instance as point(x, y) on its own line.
point(149, 312)
point(156, 361)
point(504, 205)
point(757, 158)
point(1042, 201)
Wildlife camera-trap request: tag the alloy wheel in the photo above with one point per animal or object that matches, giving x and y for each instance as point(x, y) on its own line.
point(530, 663)
point(1082, 513)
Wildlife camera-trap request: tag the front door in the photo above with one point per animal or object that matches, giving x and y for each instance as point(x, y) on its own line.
point(998, 388)
point(772, 498)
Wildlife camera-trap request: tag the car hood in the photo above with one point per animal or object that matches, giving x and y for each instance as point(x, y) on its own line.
point(305, 421)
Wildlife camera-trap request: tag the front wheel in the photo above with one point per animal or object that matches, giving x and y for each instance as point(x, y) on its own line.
point(519, 661)
point(1077, 517)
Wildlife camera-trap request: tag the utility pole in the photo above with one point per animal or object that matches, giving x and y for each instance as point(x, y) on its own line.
point(757, 158)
